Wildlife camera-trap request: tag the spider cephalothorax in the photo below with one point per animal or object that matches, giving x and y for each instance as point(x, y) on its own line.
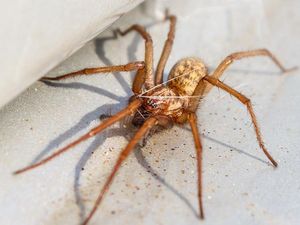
point(164, 103)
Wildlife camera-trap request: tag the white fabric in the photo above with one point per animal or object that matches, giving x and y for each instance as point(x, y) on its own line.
point(37, 35)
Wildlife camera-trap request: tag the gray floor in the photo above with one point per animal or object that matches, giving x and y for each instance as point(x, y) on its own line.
point(157, 184)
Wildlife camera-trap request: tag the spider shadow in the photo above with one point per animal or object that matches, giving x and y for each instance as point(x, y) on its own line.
point(247, 71)
point(80, 126)
point(97, 142)
point(144, 163)
point(99, 48)
point(237, 150)
point(232, 148)
point(85, 121)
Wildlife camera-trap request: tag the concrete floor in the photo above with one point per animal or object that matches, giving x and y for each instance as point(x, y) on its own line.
point(157, 184)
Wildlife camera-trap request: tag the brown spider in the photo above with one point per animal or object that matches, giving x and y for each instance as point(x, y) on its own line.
point(158, 103)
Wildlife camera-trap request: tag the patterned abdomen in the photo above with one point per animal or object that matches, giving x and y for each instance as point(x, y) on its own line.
point(187, 73)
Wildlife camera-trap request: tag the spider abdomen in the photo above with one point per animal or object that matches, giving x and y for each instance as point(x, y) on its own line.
point(186, 74)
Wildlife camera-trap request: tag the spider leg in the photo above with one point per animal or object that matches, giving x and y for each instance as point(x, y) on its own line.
point(198, 146)
point(147, 77)
point(166, 50)
point(122, 157)
point(106, 69)
point(204, 87)
point(125, 112)
point(138, 81)
point(246, 101)
point(241, 55)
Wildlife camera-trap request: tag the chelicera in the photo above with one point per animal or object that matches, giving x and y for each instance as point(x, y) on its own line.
point(158, 103)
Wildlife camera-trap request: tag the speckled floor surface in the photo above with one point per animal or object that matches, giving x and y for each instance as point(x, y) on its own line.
point(157, 184)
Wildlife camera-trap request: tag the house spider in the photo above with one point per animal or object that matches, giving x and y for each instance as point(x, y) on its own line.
point(158, 103)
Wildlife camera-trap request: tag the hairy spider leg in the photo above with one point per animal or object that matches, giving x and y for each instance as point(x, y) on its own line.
point(246, 101)
point(245, 54)
point(130, 109)
point(252, 53)
point(204, 87)
point(147, 79)
point(166, 50)
point(138, 65)
point(198, 146)
point(148, 124)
